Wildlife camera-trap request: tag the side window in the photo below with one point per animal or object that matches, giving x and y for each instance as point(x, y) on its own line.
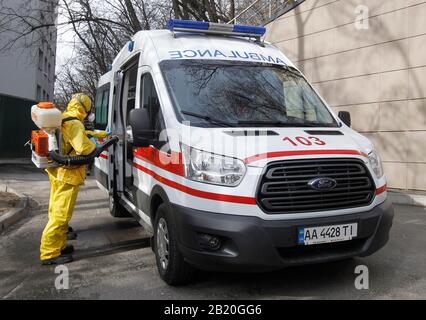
point(105, 108)
point(150, 101)
point(131, 77)
point(101, 108)
point(98, 106)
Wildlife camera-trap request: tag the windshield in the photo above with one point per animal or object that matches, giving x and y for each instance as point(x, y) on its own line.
point(217, 93)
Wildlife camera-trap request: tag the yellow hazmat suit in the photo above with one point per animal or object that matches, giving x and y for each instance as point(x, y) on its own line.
point(65, 181)
point(97, 134)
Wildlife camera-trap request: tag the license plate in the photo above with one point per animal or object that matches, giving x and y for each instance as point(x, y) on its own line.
point(327, 234)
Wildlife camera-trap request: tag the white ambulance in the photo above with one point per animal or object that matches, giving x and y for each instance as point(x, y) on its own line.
point(229, 157)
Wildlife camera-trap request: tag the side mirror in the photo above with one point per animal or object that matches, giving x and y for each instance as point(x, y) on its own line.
point(143, 136)
point(345, 116)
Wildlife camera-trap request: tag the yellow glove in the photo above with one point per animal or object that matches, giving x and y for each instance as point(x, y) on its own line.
point(97, 134)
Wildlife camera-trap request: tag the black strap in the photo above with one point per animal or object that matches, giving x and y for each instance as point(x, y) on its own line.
point(70, 119)
point(66, 120)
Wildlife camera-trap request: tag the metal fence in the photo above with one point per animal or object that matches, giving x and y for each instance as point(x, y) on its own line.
point(15, 127)
point(261, 12)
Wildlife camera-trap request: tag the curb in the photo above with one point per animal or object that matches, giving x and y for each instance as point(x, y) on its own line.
point(19, 161)
point(407, 199)
point(15, 214)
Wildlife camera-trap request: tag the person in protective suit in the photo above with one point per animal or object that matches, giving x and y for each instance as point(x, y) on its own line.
point(65, 182)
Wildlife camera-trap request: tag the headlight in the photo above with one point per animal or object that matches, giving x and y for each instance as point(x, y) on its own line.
point(211, 168)
point(376, 164)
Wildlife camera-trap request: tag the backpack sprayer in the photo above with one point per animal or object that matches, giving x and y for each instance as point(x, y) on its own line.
point(46, 142)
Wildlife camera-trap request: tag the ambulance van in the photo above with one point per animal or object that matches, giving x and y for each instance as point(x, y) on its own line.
point(230, 159)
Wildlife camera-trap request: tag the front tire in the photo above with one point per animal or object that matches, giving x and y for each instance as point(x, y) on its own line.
point(116, 209)
point(172, 267)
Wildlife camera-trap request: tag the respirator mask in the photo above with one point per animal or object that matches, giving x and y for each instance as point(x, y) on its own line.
point(91, 117)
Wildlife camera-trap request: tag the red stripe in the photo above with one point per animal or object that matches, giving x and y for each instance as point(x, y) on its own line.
point(211, 195)
point(103, 156)
point(169, 162)
point(277, 154)
point(381, 190)
point(195, 192)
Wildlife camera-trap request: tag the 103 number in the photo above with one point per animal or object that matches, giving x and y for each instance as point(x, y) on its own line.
point(309, 141)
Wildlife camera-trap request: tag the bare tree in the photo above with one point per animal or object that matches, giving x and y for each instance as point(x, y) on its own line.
point(206, 10)
point(101, 29)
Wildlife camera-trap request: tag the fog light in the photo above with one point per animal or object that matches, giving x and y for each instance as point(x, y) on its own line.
point(210, 242)
point(214, 242)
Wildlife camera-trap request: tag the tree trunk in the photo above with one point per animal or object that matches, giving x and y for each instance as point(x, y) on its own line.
point(136, 25)
point(232, 9)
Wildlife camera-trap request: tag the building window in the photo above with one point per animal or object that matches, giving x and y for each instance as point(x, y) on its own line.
point(38, 93)
point(49, 71)
point(45, 66)
point(44, 95)
point(40, 60)
point(48, 97)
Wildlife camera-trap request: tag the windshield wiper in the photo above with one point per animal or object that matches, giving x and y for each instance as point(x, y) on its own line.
point(256, 122)
point(208, 118)
point(281, 123)
point(263, 122)
point(309, 123)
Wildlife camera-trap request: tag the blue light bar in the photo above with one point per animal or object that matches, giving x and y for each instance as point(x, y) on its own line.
point(249, 29)
point(216, 28)
point(187, 24)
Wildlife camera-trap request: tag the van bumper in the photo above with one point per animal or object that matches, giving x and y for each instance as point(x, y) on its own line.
point(251, 244)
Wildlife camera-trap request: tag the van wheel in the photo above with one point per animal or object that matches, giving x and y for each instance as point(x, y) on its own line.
point(172, 267)
point(116, 209)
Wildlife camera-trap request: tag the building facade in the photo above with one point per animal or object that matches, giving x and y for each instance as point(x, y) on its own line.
point(367, 57)
point(27, 68)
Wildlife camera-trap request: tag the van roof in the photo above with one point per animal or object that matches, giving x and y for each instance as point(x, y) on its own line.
point(183, 45)
point(105, 78)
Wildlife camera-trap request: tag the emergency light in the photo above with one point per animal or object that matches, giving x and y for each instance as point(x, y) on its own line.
point(131, 46)
point(216, 28)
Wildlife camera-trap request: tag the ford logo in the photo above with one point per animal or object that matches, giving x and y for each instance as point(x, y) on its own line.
point(322, 184)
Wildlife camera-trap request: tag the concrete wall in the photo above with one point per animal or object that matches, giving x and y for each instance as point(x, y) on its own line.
point(378, 73)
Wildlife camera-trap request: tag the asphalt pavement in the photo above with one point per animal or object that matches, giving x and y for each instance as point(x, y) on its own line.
point(114, 260)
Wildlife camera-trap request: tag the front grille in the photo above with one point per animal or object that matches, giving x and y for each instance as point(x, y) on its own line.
point(284, 186)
